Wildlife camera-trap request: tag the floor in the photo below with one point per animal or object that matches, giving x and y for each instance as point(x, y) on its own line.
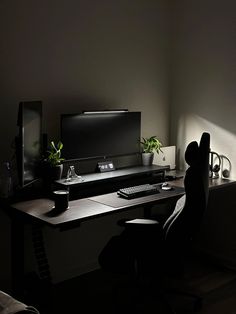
point(98, 292)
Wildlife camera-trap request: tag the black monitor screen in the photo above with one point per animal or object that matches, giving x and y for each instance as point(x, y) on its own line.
point(96, 135)
point(30, 141)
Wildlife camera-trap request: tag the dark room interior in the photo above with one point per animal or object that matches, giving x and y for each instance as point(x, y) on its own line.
point(97, 77)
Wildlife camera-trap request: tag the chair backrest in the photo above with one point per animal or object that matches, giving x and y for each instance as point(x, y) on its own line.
point(186, 219)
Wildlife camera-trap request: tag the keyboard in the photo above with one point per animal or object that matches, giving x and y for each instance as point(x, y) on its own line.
point(138, 191)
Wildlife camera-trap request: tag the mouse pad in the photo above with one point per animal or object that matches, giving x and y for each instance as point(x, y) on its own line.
point(114, 200)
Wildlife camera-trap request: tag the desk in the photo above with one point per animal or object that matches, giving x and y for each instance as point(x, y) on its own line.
point(42, 211)
point(39, 211)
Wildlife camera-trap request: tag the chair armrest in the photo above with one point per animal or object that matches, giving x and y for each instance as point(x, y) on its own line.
point(142, 221)
point(143, 225)
point(125, 222)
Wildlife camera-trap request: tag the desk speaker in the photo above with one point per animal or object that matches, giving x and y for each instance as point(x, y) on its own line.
point(61, 199)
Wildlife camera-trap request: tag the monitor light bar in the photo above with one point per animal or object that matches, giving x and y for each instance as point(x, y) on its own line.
point(105, 111)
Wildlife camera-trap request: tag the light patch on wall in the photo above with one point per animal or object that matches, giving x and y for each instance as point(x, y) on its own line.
point(223, 142)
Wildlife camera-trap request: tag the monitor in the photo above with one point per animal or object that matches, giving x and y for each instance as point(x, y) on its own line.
point(29, 141)
point(100, 134)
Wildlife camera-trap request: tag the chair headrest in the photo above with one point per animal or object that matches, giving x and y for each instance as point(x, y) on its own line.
point(204, 146)
point(195, 153)
point(192, 153)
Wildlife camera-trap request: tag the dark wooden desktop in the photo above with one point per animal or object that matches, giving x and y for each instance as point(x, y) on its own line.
point(40, 211)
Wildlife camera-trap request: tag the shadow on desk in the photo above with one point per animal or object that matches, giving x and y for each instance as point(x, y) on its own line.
point(54, 212)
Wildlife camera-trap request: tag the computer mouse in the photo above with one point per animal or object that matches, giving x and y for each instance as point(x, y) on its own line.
point(166, 186)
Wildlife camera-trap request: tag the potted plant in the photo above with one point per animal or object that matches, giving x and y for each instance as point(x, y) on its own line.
point(149, 145)
point(54, 160)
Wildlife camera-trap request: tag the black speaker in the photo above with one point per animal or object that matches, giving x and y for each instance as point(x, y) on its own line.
point(61, 200)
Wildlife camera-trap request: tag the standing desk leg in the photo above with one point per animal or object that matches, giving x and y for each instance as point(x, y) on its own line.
point(40, 254)
point(43, 286)
point(17, 257)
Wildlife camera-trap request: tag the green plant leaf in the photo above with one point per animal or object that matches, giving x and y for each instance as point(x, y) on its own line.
point(54, 153)
point(150, 144)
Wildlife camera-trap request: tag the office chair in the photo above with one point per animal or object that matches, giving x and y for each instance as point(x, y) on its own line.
point(159, 250)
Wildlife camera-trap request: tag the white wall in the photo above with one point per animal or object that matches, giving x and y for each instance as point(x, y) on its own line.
point(77, 55)
point(204, 75)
